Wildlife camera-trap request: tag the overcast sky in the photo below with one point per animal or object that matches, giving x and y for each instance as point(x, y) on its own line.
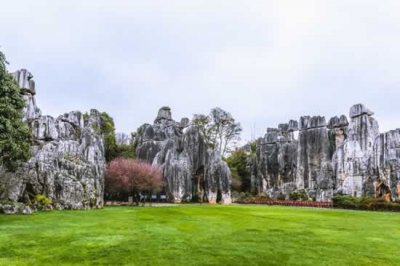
point(264, 61)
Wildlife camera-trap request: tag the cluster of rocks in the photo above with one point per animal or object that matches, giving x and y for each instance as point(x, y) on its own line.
point(67, 163)
point(193, 172)
point(341, 156)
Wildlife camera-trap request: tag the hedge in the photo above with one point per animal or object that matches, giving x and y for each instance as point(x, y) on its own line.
point(364, 203)
point(297, 203)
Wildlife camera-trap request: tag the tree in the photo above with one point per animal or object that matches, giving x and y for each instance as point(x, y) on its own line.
point(237, 163)
point(107, 128)
point(15, 136)
point(133, 177)
point(219, 129)
point(125, 151)
point(225, 129)
point(114, 147)
point(203, 124)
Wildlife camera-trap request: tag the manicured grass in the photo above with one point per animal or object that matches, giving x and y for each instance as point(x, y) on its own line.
point(201, 235)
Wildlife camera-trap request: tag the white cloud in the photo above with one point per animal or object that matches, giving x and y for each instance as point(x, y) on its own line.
point(265, 61)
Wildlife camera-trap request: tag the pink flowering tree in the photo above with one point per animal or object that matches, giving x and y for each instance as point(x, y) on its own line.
point(133, 177)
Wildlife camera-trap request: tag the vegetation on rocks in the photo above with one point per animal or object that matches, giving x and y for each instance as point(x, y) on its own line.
point(42, 202)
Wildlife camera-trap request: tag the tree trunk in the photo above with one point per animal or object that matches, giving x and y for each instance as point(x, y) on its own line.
point(150, 199)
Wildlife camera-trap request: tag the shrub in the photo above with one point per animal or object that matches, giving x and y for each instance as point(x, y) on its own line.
point(262, 196)
point(6, 202)
point(244, 197)
point(281, 197)
point(2, 188)
point(71, 157)
point(125, 151)
point(42, 202)
point(235, 195)
point(364, 203)
point(298, 195)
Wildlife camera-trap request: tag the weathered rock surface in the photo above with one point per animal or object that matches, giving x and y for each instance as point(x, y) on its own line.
point(387, 163)
point(313, 161)
point(192, 170)
point(67, 162)
point(15, 208)
point(327, 158)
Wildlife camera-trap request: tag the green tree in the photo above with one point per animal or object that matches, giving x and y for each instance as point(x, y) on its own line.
point(237, 163)
point(125, 151)
point(107, 128)
point(15, 137)
point(112, 149)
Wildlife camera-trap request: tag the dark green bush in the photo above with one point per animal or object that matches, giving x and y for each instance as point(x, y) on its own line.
point(364, 203)
point(281, 197)
point(244, 196)
point(298, 195)
point(262, 196)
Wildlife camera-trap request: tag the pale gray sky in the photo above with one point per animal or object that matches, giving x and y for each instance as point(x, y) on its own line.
point(264, 61)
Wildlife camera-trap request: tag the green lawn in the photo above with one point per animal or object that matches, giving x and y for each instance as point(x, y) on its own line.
point(201, 235)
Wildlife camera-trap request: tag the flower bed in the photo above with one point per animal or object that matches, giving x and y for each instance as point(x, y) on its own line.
point(315, 204)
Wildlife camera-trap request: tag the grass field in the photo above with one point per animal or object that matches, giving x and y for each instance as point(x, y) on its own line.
point(201, 235)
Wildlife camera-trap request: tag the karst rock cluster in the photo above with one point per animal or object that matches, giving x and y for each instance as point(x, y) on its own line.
point(67, 163)
point(193, 172)
point(341, 156)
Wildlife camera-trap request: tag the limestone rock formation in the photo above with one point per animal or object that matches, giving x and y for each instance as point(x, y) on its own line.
point(387, 163)
point(354, 157)
point(27, 85)
point(192, 170)
point(326, 158)
point(313, 161)
point(67, 162)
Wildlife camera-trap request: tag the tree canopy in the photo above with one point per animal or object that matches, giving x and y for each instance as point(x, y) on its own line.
point(107, 128)
point(238, 164)
point(15, 136)
point(132, 177)
point(219, 129)
point(112, 148)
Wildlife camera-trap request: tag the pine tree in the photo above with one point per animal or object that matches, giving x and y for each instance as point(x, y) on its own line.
point(14, 133)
